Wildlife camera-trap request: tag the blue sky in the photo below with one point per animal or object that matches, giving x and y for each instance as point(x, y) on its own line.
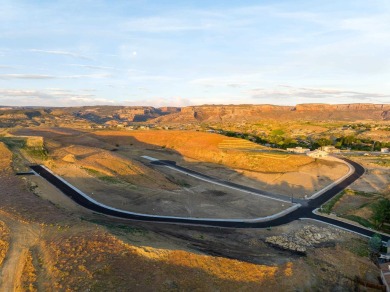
point(69, 53)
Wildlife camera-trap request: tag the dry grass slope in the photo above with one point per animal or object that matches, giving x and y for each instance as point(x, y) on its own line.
point(5, 156)
point(206, 147)
point(29, 276)
point(4, 241)
point(74, 263)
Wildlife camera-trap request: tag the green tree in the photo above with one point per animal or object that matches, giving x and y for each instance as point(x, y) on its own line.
point(375, 243)
point(324, 142)
point(381, 212)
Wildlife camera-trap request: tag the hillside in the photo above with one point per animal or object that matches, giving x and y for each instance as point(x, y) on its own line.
point(212, 148)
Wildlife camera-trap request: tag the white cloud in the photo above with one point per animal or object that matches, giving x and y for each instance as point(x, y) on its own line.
point(49, 97)
point(26, 76)
point(230, 81)
point(93, 67)
point(286, 92)
point(159, 102)
point(164, 24)
point(63, 53)
point(93, 76)
point(42, 76)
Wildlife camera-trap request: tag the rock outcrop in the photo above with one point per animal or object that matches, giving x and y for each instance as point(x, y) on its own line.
point(303, 239)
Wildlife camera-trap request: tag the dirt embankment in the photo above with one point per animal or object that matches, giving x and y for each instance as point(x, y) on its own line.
point(85, 161)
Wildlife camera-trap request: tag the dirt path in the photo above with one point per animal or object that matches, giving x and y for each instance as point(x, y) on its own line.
point(22, 237)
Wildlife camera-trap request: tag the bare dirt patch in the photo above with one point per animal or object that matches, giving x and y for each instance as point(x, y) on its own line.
point(191, 198)
point(375, 179)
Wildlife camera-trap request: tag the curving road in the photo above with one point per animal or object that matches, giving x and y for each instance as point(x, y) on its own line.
point(305, 211)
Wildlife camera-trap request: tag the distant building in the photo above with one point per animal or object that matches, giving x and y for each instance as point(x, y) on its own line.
point(317, 153)
point(299, 150)
point(330, 149)
point(385, 150)
point(385, 275)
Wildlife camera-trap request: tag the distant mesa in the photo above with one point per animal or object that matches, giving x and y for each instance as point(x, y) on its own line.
point(124, 116)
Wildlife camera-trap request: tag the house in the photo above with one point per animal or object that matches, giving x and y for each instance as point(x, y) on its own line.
point(385, 150)
point(385, 275)
point(330, 149)
point(298, 150)
point(317, 153)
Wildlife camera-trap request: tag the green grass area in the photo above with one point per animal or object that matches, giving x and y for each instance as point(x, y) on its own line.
point(366, 222)
point(278, 132)
point(101, 176)
point(19, 150)
point(360, 220)
point(13, 143)
point(92, 171)
point(119, 229)
point(327, 207)
point(357, 246)
point(360, 193)
point(179, 182)
point(37, 153)
point(382, 162)
point(110, 179)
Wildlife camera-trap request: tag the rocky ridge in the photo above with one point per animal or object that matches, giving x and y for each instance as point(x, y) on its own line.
point(227, 113)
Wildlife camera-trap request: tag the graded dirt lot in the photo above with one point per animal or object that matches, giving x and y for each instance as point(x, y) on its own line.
point(192, 197)
point(117, 153)
point(377, 175)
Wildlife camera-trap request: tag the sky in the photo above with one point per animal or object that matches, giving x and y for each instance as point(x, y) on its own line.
point(193, 52)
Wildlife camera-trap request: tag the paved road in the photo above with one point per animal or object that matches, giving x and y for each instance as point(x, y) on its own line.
point(273, 196)
point(304, 212)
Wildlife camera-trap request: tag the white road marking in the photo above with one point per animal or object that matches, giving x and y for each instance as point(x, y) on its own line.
point(254, 220)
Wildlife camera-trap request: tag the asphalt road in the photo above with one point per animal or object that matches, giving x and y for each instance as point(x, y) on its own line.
point(228, 184)
point(304, 212)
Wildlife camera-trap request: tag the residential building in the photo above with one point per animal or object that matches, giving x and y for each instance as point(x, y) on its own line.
point(317, 153)
point(299, 150)
point(330, 149)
